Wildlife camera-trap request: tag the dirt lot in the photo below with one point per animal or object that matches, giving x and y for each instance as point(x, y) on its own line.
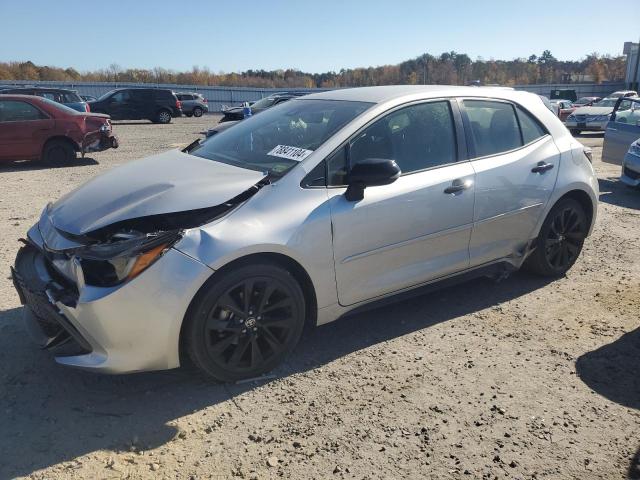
point(526, 379)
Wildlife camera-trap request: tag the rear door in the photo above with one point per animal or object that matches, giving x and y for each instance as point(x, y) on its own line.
point(23, 130)
point(516, 164)
point(622, 130)
point(416, 229)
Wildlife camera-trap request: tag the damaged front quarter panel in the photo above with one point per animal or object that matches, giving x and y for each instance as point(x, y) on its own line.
point(117, 253)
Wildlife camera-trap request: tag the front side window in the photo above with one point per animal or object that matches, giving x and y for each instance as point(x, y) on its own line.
point(16, 111)
point(417, 137)
point(121, 96)
point(280, 137)
point(494, 128)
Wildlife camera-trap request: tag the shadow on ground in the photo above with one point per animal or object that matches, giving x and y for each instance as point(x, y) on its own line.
point(27, 165)
point(613, 371)
point(51, 414)
point(614, 192)
point(634, 467)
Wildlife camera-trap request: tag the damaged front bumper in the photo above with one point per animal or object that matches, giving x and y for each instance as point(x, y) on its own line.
point(99, 141)
point(130, 327)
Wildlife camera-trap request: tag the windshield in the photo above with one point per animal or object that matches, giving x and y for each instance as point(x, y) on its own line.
point(279, 138)
point(264, 102)
point(583, 100)
point(607, 102)
point(102, 97)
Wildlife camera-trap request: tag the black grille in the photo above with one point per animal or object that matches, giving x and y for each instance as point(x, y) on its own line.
point(631, 174)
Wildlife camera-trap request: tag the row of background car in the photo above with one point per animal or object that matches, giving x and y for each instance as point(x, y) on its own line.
point(589, 113)
point(157, 105)
point(160, 105)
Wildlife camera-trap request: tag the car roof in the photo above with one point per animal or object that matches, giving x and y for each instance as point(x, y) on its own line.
point(392, 92)
point(17, 96)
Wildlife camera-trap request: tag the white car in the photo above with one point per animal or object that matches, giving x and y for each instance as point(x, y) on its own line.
point(594, 118)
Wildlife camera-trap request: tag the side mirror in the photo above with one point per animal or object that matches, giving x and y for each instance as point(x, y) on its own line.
point(371, 172)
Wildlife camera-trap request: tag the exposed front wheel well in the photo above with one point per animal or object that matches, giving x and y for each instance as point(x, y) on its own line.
point(288, 263)
point(62, 138)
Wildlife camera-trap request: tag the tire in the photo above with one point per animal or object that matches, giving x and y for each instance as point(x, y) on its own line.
point(230, 339)
point(188, 115)
point(197, 112)
point(163, 116)
point(560, 240)
point(58, 152)
point(575, 131)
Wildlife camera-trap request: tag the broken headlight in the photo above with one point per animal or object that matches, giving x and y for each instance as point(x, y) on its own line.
point(122, 257)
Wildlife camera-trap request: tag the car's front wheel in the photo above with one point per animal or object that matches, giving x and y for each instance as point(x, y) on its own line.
point(560, 240)
point(245, 321)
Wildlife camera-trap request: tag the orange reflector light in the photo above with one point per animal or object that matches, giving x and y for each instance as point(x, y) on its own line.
point(145, 260)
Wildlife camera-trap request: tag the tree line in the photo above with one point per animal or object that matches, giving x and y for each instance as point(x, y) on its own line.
point(449, 68)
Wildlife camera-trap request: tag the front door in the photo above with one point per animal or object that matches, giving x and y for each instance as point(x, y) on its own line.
point(120, 105)
point(415, 229)
point(622, 130)
point(516, 164)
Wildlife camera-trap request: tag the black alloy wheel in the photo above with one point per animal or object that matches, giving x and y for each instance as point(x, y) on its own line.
point(246, 323)
point(561, 239)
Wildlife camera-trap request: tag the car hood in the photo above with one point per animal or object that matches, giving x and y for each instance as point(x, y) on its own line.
point(593, 110)
point(169, 182)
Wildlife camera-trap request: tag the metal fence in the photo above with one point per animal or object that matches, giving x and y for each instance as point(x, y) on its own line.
point(219, 96)
point(216, 96)
point(582, 89)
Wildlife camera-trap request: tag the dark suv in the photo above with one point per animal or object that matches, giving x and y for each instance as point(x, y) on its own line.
point(156, 104)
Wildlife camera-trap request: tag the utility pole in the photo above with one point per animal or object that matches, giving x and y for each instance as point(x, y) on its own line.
point(634, 81)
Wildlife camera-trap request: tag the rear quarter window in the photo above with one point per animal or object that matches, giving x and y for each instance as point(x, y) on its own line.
point(531, 127)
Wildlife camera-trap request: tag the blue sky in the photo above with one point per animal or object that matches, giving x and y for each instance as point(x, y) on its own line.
point(227, 35)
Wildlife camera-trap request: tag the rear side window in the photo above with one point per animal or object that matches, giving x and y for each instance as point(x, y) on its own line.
point(71, 97)
point(15, 111)
point(494, 127)
point(163, 94)
point(531, 128)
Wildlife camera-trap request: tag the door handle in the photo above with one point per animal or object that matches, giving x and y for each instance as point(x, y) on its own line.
point(542, 167)
point(458, 185)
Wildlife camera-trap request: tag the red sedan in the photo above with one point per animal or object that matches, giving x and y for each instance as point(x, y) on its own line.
point(33, 128)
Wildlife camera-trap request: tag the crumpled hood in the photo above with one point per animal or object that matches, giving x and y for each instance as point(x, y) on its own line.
point(593, 111)
point(169, 182)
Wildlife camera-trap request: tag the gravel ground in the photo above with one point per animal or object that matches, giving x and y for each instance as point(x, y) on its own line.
point(526, 379)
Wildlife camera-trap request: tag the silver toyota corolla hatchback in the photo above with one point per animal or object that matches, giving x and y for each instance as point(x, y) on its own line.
point(223, 251)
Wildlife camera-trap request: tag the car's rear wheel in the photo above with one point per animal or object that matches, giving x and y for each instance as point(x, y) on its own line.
point(245, 322)
point(560, 240)
point(197, 112)
point(58, 152)
point(575, 131)
point(163, 116)
point(188, 115)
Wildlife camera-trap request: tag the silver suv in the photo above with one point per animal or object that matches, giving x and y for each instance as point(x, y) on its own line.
point(193, 104)
point(315, 207)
